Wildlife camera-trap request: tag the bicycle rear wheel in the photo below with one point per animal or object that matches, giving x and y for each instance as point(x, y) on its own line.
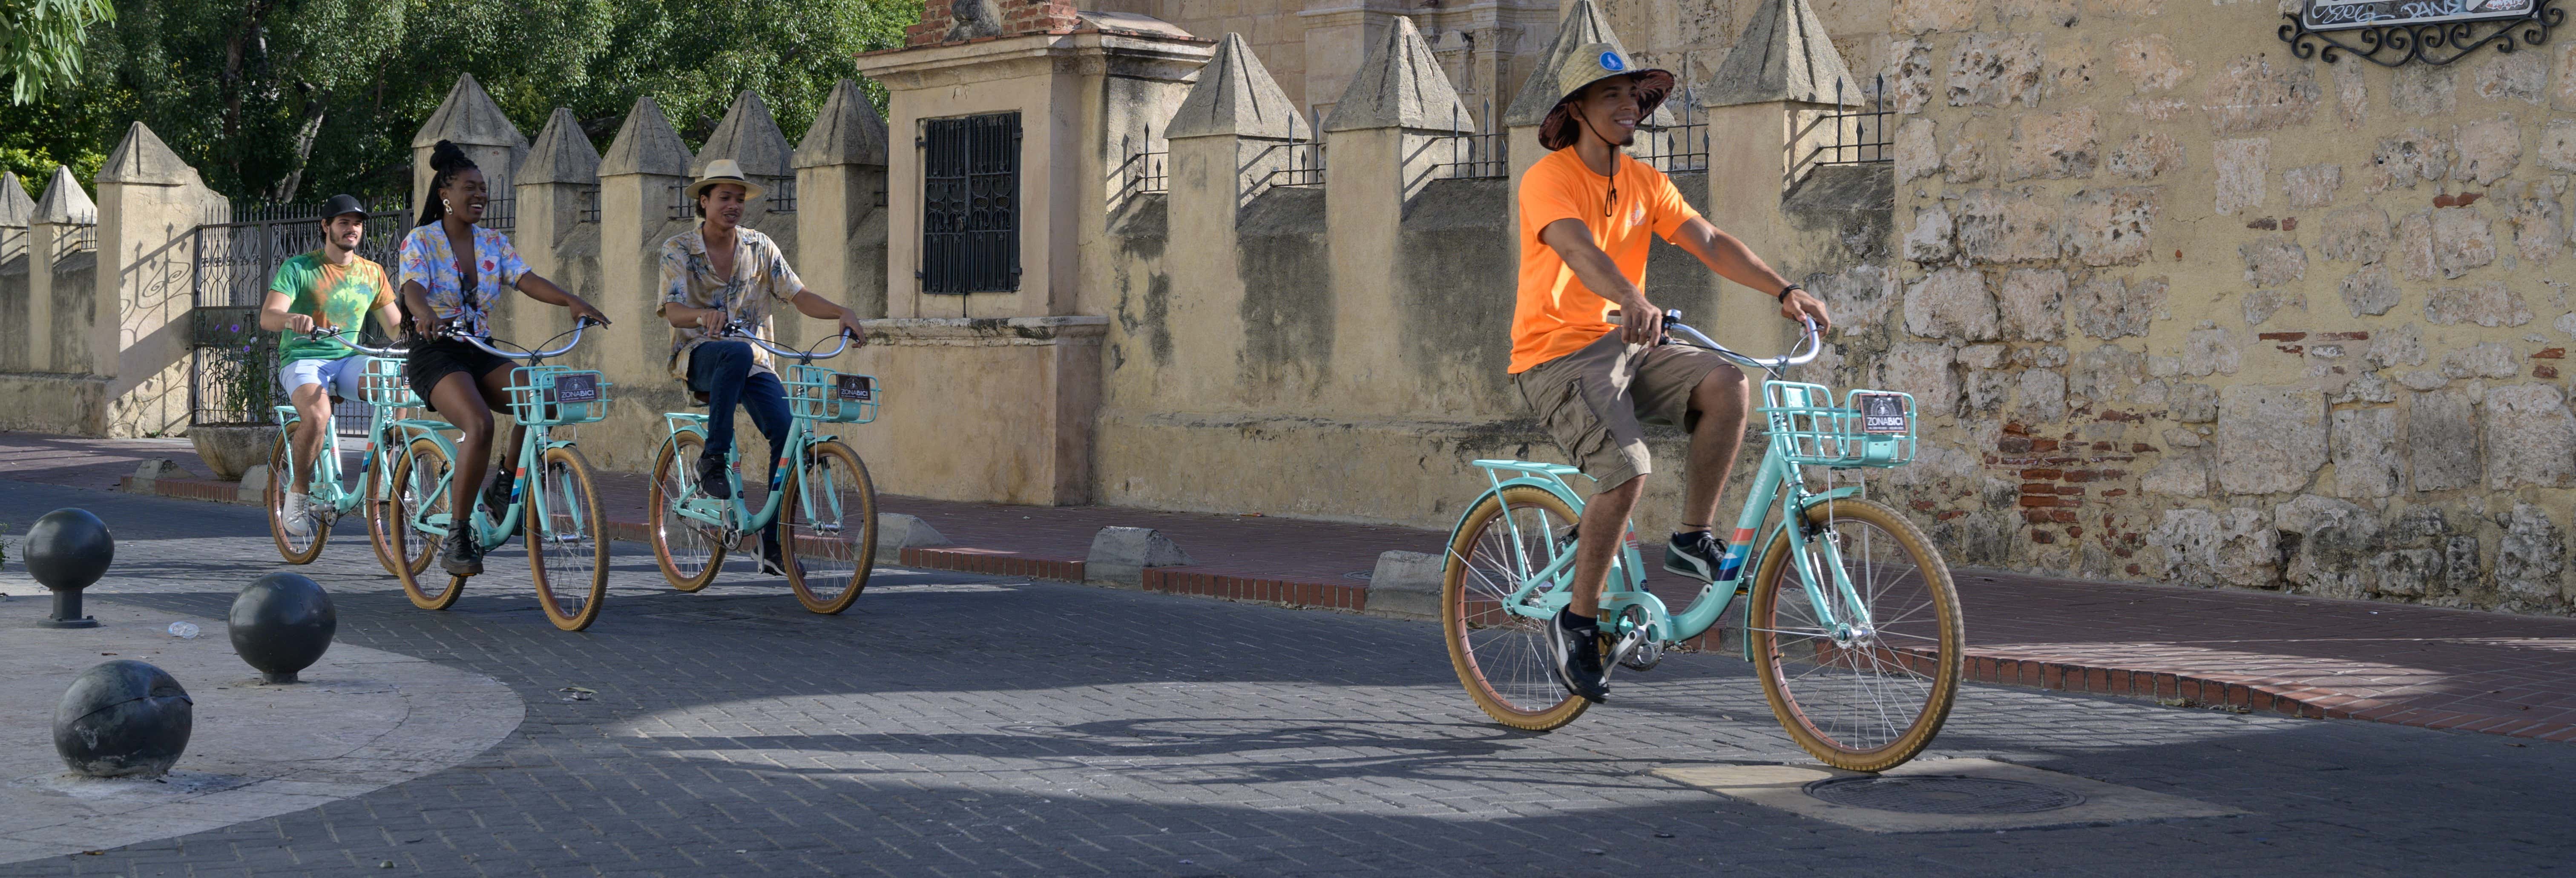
point(567, 557)
point(1502, 657)
point(827, 528)
point(689, 551)
point(317, 528)
point(1859, 698)
point(420, 490)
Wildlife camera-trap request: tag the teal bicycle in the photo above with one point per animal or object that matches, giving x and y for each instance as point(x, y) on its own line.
point(552, 488)
point(820, 499)
point(329, 497)
point(1853, 625)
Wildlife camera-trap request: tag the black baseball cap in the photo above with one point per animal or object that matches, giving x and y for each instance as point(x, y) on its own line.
point(342, 205)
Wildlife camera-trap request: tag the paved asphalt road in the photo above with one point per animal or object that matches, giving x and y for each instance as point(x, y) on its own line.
point(951, 724)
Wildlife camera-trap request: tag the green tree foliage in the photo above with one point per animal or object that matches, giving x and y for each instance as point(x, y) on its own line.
point(41, 41)
point(290, 100)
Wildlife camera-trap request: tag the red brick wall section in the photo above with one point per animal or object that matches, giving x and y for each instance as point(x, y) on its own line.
point(1018, 17)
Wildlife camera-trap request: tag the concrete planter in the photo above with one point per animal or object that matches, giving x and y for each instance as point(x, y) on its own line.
point(229, 449)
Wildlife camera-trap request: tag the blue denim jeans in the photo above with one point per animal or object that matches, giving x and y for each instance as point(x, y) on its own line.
point(722, 371)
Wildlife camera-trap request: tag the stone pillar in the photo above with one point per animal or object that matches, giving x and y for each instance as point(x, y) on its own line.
point(149, 204)
point(1221, 138)
point(841, 208)
point(551, 186)
point(750, 136)
point(1782, 73)
point(18, 338)
point(470, 119)
point(639, 181)
point(1376, 158)
point(64, 223)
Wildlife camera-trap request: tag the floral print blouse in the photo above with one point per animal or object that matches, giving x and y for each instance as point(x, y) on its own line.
point(760, 280)
point(427, 259)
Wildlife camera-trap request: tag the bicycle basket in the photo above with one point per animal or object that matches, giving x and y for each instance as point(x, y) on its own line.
point(383, 384)
point(836, 397)
point(556, 396)
point(1872, 428)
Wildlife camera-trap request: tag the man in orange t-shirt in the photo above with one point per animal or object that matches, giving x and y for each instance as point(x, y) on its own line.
point(1586, 214)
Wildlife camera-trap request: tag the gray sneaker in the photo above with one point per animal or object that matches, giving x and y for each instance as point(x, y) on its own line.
point(1696, 554)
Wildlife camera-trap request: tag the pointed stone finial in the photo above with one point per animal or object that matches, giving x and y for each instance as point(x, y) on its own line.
point(1401, 85)
point(469, 118)
point(1235, 95)
point(563, 154)
point(749, 136)
point(16, 209)
point(65, 204)
point(646, 144)
point(142, 159)
point(1583, 26)
point(1783, 55)
point(847, 132)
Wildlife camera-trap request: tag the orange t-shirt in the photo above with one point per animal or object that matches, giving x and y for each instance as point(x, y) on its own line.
point(1556, 314)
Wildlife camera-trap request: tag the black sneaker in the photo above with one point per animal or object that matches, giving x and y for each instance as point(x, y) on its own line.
point(773, 561)
point(1575, 655)
point(496, 493)
point(711, 477)
point(1697, 554)
point(461, 556)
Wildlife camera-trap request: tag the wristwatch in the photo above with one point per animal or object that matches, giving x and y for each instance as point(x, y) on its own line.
point(1784, 292)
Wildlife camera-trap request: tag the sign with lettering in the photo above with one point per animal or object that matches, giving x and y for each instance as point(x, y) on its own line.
point(1882, 413)
point(856, 387)
point(577, 387)
point(2326, 15)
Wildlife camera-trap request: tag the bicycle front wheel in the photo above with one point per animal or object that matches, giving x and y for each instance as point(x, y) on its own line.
point(379, 491)
point(827, 528)
point(418, 491)
point(1866, 682)
point(1502, 656)
point(566, 554)
point(689, 551)
point(295, 548)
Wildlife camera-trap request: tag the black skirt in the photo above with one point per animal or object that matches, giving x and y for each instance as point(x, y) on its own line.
point(433, 361)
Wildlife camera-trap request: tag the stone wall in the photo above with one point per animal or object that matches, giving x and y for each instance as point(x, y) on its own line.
point(2186, 308)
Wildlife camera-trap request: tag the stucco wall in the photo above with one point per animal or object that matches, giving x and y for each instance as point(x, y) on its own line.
point(2187, 308)
point(15, 352)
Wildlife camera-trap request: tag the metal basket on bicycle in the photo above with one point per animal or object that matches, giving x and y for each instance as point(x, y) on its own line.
point(384, 385)
point(1871, 428)
point(835, 397)
point(557, 396)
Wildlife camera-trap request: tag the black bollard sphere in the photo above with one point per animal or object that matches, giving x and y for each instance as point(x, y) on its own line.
point(123, 718)
point(282, 623)
point(66, 551)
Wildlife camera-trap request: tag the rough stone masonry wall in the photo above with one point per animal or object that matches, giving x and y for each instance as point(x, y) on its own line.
point(2184, 307)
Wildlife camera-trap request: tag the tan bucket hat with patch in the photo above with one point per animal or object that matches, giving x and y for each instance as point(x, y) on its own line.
point(1588, 64)
point(723, 171)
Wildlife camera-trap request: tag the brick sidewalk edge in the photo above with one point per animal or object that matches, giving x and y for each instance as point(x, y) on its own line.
point(2184, 690)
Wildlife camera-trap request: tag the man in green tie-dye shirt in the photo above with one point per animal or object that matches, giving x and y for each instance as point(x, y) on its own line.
point(328, 289)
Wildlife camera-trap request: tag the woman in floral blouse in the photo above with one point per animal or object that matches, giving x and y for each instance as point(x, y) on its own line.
point(444, 296)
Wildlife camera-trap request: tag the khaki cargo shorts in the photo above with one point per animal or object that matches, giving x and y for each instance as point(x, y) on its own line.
point(1596, 401)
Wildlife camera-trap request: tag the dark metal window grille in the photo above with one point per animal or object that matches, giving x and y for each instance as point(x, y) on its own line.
point(501, 214)
point(782, 193)
point(1144, 170)
point(1859, 137)
point(971, 190)
point(589, 204)
point(1682, 147)
point(682, 206)
point(1477, 155)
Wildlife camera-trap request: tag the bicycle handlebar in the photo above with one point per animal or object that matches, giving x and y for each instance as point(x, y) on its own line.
point(484, 342)
point(1814, 343)
point(351, 339)
point(740, 332)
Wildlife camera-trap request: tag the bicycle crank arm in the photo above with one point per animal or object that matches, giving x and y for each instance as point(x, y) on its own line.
point(1637, 652)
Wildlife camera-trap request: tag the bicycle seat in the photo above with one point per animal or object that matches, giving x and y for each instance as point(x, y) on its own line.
point(697, 399)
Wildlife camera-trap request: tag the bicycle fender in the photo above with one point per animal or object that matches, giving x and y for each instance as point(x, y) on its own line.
point(1812, 500)
point(1551, 486)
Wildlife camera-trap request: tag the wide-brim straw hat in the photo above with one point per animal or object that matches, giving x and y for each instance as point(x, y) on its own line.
point(723, 171)
point(1588, 64)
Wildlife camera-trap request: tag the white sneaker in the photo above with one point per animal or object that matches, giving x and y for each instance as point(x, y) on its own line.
point(299, 516)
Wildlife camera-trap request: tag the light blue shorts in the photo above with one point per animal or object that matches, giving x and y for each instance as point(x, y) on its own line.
point(340, 378)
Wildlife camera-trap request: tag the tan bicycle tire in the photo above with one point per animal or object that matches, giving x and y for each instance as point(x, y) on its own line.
point(829, 455)
point(274, 497)
point(539, 537)
point(1768, 585)
point(397, 531)
point(379, 480)
point(1455, 610)
point(667, 464)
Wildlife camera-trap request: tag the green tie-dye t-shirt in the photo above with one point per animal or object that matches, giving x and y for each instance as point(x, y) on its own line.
point(335, 296)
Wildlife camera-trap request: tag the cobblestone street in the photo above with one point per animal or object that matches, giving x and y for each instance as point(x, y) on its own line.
point(959, 724)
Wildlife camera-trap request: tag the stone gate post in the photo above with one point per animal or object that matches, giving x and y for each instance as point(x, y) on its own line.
point(640, 181)
point(1762, 104)
point(750, 136)
point(841, 202)
point(470, 119)
point(64, 222)
point(1378, 154)
point(1222, 145)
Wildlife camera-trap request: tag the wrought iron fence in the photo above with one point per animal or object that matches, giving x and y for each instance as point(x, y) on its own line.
point(1143, 171)
point(84, 239)
point(233, 363)
point(589, 212)
point(782, 193)
point(682, 206)
point(1858, 137)
point(1682, 147)
point(500, 214)
point(1479, 154)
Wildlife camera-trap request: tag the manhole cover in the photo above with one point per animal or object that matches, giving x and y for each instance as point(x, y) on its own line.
point(1942, 795)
